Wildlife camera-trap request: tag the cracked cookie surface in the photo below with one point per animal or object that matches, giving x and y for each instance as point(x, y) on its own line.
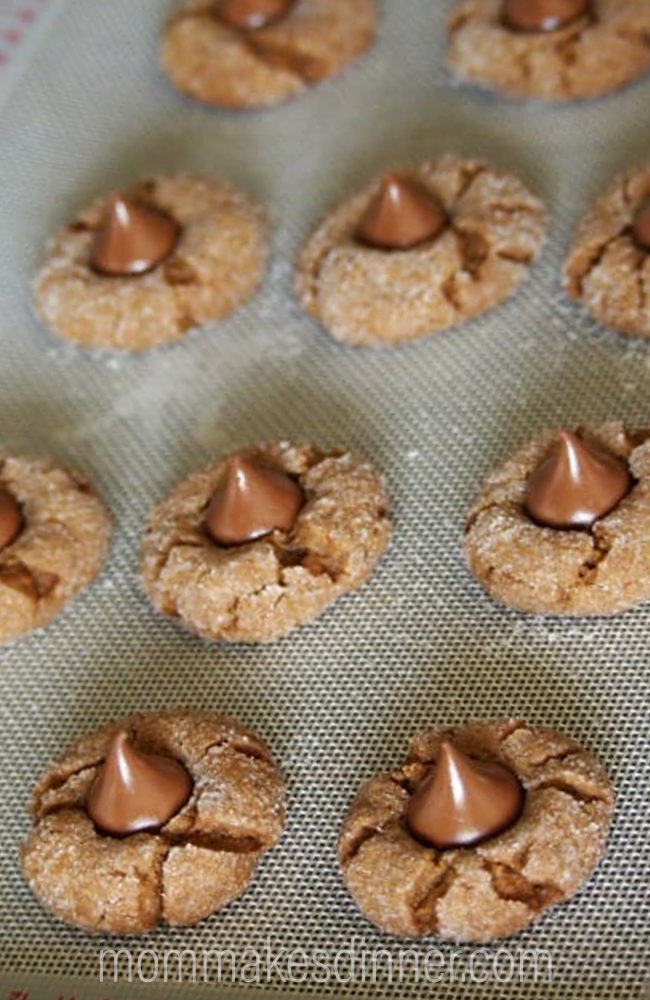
point(198, 283)
point(219, 65)
point(500, 886)
point(593, 55)
point(200, 861)
point(259, 591)
point(550, 571)
point(64, 543)
point(606, 268)
point(366, 296)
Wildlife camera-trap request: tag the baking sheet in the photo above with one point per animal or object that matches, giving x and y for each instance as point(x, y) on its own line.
point(420, 644)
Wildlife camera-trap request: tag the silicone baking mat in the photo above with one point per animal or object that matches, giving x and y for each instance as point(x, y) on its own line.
point(420, 644)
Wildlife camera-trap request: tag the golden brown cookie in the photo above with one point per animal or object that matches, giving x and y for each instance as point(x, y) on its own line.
point(62, 538)
point(600, 571)
point(501, 885)
point(261, 590)
point(216, 265)
point(367, 296)
point(591, 55)
point(218, 64)
point(607, 267)
point(201, 860)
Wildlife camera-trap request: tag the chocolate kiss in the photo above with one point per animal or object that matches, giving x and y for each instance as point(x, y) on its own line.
point(132, 238)
point(401, 215)
point(462, 802)
point(575, 484)
point(250, 501)
point(136, 791)
point(251, 14)
point(641, 225)
point(11, 519)
point(542, 15)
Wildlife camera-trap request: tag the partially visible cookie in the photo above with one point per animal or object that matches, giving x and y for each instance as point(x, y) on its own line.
point(178, 872)
point(95, 288)
point(250, 548)
point(496, 887)
point(598, 567)
point(608, 267)
point(220, 63)
point(367, 294)
point(55, 535)
point(595, 48)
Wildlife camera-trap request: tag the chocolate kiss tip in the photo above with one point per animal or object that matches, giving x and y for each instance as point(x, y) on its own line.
point(462, 802)
point(401, 215)
point(641, 225)
point(250, 501)
point(251, 14)
point(575, 484)
point(11, 519)
point(542, 15)
point(136, 791)
point(132, 238)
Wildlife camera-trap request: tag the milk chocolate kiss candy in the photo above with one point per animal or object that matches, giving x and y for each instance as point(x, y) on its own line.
point(402, 215)
point(250, 501)
point(462, 802)
point(543, 15)
point(136, 791)
point(132, 238)
point(641, 225)
point(11, 519)
point(575, 484)
point(251, 14)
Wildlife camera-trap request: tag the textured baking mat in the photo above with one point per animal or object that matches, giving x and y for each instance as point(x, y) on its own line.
point(421, 643)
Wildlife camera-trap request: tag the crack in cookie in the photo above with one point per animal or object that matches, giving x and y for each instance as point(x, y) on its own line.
point(510, 884)
point(425, 909)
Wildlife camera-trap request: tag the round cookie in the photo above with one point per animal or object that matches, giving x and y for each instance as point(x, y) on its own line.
point(591, 55)
point(200, 861)
point(219, 225)
point(221, 65)
point(607, 268)
point(367, 296)
point(61, 545)
point(261, 590)
point(500, 886)
point(546, 570)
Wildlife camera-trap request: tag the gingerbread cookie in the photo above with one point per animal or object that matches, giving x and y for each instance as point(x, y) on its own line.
point(55, 535)
point(419, 251)
point(256, 53)
point(136, 270)
point(563, 527)
point(609, 264)
point(161, 817)
point(261, 542)
point(484, 828)
point(556, 50)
